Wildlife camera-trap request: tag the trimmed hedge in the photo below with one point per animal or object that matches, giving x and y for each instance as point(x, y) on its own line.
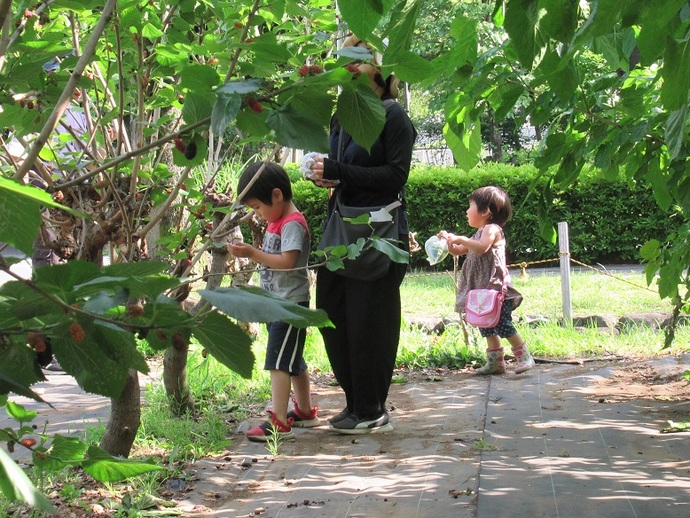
point(608, 220)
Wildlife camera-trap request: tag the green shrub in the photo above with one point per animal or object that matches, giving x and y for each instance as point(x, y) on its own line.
point(608, 220)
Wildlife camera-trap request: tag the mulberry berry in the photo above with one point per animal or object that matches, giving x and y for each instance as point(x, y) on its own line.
point(77, 332)
point(181, 147)
point(190, 152)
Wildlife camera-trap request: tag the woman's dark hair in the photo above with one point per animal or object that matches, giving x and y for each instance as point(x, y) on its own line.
point(272, 177)
point(495, 200)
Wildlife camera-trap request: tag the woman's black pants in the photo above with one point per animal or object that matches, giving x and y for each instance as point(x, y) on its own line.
point(364, 343)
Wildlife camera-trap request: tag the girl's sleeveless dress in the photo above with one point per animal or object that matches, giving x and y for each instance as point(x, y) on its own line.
point(486, 271)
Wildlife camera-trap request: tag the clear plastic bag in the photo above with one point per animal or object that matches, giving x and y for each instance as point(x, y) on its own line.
point(305, 169)
point(436, 249)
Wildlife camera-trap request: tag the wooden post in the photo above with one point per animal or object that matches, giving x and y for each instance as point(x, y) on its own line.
point(564, 254)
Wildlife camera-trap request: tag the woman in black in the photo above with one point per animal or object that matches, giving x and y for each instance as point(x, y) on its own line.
point(363, 345)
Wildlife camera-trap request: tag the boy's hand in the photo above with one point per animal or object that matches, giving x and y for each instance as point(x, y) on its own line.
point(241, 249)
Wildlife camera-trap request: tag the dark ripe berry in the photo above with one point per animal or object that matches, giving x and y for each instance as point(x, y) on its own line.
point(256, 107)
point(190, 152)
point(179, 145)
point(303, 71)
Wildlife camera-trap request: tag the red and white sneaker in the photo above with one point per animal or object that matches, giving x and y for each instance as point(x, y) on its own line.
point(301, 419)
point(268, 429)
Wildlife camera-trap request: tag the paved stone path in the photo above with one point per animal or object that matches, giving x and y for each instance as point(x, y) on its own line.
point(541, 444)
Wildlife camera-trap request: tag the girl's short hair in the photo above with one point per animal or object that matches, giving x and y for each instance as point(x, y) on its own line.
point(272, 177)
point(495, 200)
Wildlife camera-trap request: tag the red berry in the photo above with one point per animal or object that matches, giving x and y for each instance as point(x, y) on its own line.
point(37, 341)
point(315, 69)
point(28, 442)
point(181, 147)
point(239, 25)
point(354, 68)
point(303, 71)
point(77, 332)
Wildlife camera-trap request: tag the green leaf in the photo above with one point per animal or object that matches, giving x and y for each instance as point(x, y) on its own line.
point(18, 488)
point(653, 32)
point(522, 25)
point(227, 342)
point(9, 384)
point(660, 185)
point(391, 249)
point(19, 368)
point(360, 112)
point(252, 304)
point(267, 49)
point(669, 280)
point(547, 230)
point(105, 468)
point(410, 67)
point(100, 361)
point(19, 413)
point(676, 74)
point(561, 19)
point(252, 123)
point(401, 30)
point(560, 75)
point(362, 16)
point(675, 130)
point(197, 107)
point(467, 145)
point(296, 129)
point(151, 32)
point(199, 78)
point(314, 102)
point(20, 218)
point(63, 450)
point(225, 109)
point(243, 87)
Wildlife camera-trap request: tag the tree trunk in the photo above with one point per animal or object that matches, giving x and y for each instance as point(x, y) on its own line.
point(496, 138)
point(175, 379)
point(125, 417)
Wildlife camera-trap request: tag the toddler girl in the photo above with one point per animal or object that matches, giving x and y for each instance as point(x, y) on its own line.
point(485, 268)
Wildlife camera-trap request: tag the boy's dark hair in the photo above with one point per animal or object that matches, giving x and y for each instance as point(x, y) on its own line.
point(495, 200)
point(272, 177)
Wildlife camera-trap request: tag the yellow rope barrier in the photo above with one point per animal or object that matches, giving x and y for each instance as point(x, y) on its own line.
point(523, 269)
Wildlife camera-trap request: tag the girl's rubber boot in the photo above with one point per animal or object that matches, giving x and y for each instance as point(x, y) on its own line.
point(495, 364)
point(524, 359)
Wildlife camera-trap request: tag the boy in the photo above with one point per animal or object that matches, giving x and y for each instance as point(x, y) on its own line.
point(286, 245)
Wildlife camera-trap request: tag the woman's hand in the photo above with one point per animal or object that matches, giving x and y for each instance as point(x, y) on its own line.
point(317, 168)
